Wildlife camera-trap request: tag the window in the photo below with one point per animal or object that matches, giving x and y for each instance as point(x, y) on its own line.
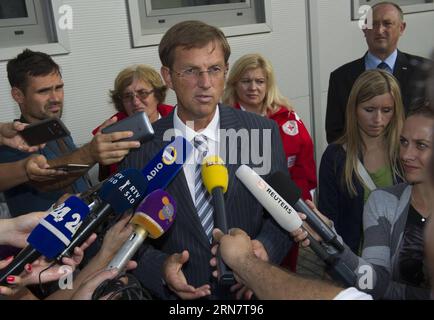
point(31, 24)
point(13, 13)
point(408, 6)
point(149, 19)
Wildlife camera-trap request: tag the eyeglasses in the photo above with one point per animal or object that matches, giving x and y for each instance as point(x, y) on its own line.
point(141, 95)
point(193, 74)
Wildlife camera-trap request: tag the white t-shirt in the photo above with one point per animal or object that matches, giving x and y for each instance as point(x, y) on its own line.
point(352, 294)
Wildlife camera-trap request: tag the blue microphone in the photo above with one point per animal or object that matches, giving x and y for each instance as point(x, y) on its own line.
point(119, 193)
point(123, 191)
point(52, 235)
point(161, 170)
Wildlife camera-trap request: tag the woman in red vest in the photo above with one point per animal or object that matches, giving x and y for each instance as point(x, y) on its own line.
point(251, 86)
point(137, 88)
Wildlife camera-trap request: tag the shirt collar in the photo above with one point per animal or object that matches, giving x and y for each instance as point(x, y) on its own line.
point(211, 131)
point(371, 61)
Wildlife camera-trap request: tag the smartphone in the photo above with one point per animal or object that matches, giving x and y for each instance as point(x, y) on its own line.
point(71, 167)
point(138, 123)
point(44, 131)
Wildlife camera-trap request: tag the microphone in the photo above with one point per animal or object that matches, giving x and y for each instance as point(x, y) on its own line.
point(161, 170)
point(215, 179)
point(278, 208)
point(328, 252)
point(153, 217)
point(289, 190)
point(119, 193)
point(52, 235)
point(158, 173)
point(288, 218)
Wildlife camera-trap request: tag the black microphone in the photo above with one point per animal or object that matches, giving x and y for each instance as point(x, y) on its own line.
point(121, 192)
point(326, 251)
point(283, 184)
point(275, 198)
point(215, 179)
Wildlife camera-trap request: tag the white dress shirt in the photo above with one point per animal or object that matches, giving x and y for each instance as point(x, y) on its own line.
point(212, 134)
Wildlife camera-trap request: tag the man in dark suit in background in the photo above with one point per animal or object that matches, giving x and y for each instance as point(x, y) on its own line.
point(194, 60)
point(382, 39)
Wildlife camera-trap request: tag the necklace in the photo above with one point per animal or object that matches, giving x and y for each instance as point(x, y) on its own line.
point(415, 206)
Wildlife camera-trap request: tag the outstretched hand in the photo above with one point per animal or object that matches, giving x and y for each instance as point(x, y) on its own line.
point(176, 281)
point(9, 136)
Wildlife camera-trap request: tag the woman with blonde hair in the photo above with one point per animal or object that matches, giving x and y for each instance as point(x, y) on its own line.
point(251, 86)
point(365, 157)
point(138, 88)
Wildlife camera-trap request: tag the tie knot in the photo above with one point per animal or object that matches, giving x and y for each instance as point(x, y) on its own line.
point(201, 144)
point(383, 66)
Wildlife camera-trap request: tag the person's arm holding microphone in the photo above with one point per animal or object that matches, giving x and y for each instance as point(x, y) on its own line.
point(113, 240)
point(14, 232)
point(267, 281)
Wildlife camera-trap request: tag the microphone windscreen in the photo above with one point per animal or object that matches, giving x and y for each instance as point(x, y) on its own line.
point(214, 173)
point(282, 183)
point(54, 233)
point(123, 190)
point(161, 170)
point(155, 213)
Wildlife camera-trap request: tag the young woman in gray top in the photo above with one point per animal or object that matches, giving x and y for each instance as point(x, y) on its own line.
point(392, 265)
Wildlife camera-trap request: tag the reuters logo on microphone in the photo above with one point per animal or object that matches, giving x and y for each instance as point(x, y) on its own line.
point(169, 155)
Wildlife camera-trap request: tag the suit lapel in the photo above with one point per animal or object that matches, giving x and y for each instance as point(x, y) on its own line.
point(359, 68)
point(401, 69)
point(228, 120)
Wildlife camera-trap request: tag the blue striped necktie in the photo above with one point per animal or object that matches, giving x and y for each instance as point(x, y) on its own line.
point(201, 195)
point(383, 66)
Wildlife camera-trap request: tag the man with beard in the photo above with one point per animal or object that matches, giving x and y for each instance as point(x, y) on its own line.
point(37, 86)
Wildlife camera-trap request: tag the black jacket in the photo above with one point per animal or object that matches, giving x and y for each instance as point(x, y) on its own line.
point(407, 72)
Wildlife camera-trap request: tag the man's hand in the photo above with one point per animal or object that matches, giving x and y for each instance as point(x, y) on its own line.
point(9, 136)
point(243, 292)
point(37, 169)
point(106, 149)
point(176, 281)
point(235, 247)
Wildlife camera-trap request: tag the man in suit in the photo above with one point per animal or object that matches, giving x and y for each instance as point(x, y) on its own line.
point(382, 37)
point(194, 60)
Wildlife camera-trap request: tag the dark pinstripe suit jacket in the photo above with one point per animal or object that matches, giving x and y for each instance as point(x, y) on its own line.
point(242, 210)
